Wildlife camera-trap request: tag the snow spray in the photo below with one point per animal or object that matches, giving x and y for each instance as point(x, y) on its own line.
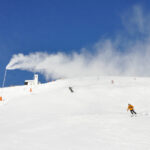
point(4, 78)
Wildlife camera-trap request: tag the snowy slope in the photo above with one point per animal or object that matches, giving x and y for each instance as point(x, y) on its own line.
point(94, 117)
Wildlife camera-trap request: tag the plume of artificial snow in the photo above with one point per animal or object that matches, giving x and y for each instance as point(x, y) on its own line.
point(119, 56)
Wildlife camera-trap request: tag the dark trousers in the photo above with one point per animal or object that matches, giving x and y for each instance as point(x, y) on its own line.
point(132, 112)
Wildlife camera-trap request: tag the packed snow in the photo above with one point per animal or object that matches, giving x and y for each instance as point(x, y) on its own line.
point(93, 117)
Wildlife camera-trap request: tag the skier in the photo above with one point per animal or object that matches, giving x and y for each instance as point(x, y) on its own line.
point(71, 90)
point(131, 108)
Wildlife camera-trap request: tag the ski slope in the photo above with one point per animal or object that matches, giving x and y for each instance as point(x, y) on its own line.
point(94, 117)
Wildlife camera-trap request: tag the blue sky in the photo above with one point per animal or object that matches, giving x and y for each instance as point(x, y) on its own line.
point(54, 25)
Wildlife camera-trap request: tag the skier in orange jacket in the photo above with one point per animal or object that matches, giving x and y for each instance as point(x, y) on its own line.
point(131, 108)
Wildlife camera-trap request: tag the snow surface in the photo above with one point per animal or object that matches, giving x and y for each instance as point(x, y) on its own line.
point(94, 117)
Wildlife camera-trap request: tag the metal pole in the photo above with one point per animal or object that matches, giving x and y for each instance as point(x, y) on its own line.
point(4, 78)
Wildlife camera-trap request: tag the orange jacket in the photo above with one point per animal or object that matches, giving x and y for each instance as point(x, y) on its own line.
point(130, 107)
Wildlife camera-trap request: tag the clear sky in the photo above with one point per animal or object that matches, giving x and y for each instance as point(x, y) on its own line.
point(55, 25)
